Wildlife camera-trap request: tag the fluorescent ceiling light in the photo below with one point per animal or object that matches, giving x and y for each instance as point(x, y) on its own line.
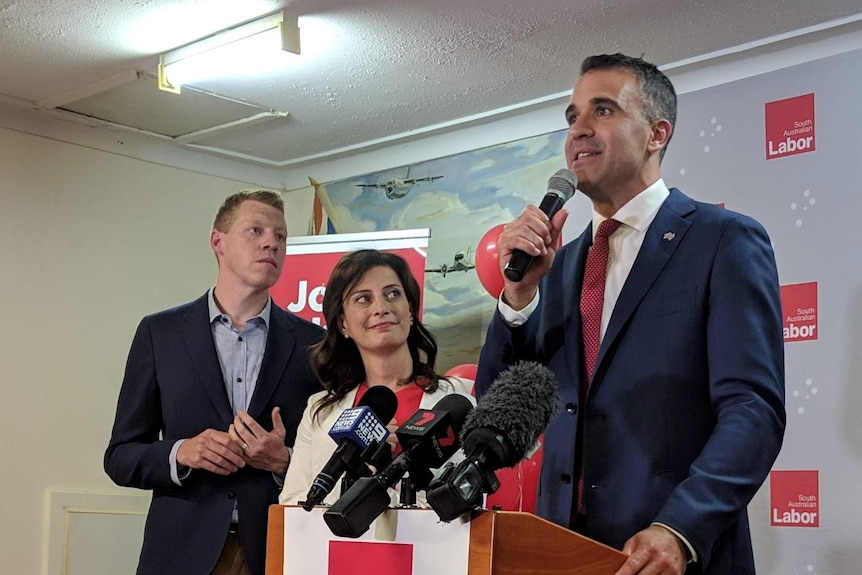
point(257, 46)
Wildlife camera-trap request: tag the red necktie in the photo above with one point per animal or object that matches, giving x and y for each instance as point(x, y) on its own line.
point(592, 302)
point(593, 294)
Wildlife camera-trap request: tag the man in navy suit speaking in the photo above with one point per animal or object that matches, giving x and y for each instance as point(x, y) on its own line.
point(662, 323)
point(211, 398)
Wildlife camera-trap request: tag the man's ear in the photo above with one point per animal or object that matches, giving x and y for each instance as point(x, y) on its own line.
point(215, 241)
point(661, 133)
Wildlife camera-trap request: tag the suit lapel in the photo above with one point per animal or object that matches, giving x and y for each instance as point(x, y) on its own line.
point(663, 236)
point(280, 345)
point(198, 336)
point(573, 270)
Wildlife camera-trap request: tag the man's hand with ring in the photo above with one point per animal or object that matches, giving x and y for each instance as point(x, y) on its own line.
point(261, 449)
point(212, 450)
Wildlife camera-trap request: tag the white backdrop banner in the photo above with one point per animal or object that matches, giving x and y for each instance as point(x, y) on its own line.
point(785, 148)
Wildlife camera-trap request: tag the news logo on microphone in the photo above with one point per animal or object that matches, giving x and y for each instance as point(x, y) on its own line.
point(433, 429)
point(359, 424)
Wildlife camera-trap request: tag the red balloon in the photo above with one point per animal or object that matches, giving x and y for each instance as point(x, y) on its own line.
point(488, 262)
point(464, 371)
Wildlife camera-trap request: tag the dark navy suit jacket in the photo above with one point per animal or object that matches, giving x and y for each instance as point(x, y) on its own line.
point(685, 412)
point(173, 389)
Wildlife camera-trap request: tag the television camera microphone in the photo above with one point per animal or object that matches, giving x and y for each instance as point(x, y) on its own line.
point(501, 430)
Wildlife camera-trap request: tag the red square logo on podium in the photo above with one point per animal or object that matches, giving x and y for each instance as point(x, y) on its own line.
point(790, 126)
point(370, 558)
point(794, 498)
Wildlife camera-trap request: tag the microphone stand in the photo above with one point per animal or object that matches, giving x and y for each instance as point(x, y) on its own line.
point(407, 495)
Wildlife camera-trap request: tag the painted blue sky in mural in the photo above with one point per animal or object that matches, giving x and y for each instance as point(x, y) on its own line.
point(486, 186)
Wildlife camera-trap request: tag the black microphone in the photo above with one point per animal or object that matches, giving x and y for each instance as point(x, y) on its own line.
point(359, 432)
point(561, 187)
point(428, 439)
point(501, 430)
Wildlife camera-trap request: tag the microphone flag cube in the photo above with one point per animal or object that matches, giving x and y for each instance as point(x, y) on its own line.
point(360, 425)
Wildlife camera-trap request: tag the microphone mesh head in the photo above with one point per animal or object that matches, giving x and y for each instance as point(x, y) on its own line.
point(458, 407)
point(381, 401)
point(565, 182)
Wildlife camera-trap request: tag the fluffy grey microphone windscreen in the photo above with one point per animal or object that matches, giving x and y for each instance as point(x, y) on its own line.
point(519, 405)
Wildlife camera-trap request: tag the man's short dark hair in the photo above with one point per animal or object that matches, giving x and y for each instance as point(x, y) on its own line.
point(657, 92)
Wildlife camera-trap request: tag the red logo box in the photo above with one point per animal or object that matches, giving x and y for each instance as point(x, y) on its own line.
point(370, 558)
point(790, 127)
point(795, 498)
point(799, 308)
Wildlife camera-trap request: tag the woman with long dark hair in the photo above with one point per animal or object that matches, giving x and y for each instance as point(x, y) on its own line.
point(374, 337)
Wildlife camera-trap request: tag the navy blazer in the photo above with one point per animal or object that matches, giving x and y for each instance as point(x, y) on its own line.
point(685, 412)
point(173, 389)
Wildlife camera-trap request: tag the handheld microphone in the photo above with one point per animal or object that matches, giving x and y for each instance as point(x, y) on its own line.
point(506, 423)
point(561, 187)
point(428, 439)
point(358, 431)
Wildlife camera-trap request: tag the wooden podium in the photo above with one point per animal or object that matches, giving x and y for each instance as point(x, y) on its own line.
point(493, 543)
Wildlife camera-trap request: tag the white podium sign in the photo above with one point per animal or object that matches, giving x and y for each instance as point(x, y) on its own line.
point(400, 542)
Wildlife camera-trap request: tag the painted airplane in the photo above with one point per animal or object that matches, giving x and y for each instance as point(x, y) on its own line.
point(459, 263)
point(398, 187)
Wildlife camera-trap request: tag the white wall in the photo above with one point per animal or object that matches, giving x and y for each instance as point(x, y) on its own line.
point(89, 243)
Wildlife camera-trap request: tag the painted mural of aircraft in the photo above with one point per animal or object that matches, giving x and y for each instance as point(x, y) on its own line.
point(460, 263)
point(398, 187)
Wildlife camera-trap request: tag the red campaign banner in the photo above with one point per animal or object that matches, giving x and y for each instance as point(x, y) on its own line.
point(310, 260)
point(370, 558)
point(794, 498)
